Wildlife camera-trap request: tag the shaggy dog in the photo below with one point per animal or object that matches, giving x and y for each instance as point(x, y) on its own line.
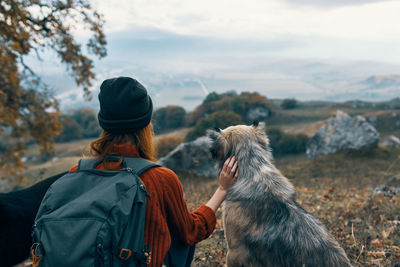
point(264, 225)
point(17, 213)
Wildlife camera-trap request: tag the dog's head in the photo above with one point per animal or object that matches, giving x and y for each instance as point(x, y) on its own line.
point(230, 141)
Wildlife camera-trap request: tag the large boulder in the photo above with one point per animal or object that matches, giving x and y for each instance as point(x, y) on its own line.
point(342, 132)
point(192, 157)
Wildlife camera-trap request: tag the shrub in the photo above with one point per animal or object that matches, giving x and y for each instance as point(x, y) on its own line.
point(80, 124)
point(196, 115)
point(166, 144)
point(71, 130)
point(282, 143)
point(230, 101)
point(87, 119)
point(219, 119)
point(289, 103)
point(170, 117)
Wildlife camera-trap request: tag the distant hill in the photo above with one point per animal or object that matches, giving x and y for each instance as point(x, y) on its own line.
point(188, 86)
point(382, 81)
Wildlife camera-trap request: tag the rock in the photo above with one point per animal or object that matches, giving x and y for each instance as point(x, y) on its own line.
point(386, 190)
point(258, 114)
point(392, 141)
point(192, 157)
point(373, 120)
point(342, 132)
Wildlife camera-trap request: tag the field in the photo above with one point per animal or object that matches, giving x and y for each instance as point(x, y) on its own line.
point(336, 188)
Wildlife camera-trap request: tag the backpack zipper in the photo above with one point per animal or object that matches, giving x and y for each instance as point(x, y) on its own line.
point(141, 186)
point(100, 255)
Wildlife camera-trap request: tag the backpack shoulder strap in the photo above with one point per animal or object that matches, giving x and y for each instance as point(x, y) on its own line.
point(88, 164)
point(138, 165)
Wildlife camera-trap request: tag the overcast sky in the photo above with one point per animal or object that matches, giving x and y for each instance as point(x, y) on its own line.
point(343, 29)
point(183, 49)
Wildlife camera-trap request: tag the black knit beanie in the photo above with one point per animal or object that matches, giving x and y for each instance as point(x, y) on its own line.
point(125, 106)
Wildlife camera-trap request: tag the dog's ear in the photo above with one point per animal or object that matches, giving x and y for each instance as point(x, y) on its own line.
point(261, 135)
point(261, 126)
point(213, 134)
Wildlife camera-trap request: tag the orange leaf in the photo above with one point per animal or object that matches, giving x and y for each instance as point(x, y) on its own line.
point(377, 243)
point(376, 254)
point(389, 231)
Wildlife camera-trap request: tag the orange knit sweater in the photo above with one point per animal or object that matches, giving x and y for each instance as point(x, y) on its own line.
point(166, 210)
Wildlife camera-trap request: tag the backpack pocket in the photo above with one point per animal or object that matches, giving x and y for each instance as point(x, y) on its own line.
point(60, 247)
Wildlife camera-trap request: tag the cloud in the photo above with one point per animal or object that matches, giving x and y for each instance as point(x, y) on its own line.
point(256, 18)
point(334, 3)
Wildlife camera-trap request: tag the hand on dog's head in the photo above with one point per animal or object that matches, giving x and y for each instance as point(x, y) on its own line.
point(226, 142)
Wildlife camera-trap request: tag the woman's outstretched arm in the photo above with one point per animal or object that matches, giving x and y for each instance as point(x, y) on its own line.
point(227, 178)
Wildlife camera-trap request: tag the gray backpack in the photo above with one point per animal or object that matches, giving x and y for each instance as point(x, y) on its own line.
point(93, 218)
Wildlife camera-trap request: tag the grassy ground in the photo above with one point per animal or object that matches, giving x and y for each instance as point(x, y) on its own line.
point(336, 189)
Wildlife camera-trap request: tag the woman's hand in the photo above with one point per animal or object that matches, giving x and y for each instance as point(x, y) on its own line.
point(227, 178)
point(229, 174)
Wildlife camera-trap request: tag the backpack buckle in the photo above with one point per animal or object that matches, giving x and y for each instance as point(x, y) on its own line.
point(125, 254)
point(36, 254)
point(147, 254)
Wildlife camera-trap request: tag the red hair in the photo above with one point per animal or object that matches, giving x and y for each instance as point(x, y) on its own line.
point(143, 139)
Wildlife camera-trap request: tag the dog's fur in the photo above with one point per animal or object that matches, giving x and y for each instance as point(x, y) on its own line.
point(17, 213)
point(264, 225)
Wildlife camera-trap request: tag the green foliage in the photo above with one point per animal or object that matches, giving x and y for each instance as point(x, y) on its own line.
point(387, 122)
point(71, 130)
point(196, 115)
point(87, 120)
point(80, 124)
point(219, 119)
point(289, 103)
point(230, 101)
point(170, 117)
point(282, 143)
point(27, 108)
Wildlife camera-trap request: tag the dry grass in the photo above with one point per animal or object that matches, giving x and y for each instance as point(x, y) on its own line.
point(166, 144)
point(308, 129)
point(176, 134)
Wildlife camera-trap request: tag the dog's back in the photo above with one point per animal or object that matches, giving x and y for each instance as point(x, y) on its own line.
point(278, 233)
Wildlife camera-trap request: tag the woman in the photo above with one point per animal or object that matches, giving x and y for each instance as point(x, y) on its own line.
point(125, 115)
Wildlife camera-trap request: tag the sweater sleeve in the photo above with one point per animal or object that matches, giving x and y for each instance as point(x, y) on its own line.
point(74, 168)
point(189, 227)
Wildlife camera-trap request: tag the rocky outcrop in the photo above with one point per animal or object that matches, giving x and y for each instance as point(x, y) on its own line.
point(192, 157)
point(342, 132)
